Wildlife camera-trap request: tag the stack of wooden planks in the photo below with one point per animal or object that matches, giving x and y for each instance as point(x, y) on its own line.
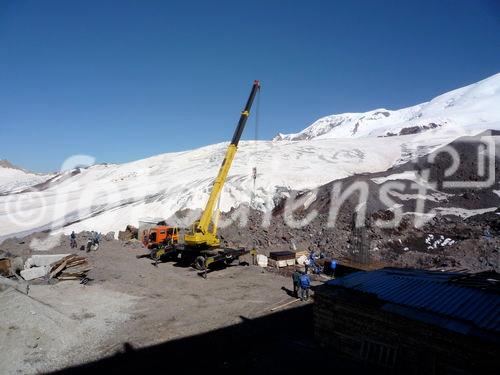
point(71, 267)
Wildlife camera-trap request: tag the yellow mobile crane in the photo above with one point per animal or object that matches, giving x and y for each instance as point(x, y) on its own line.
point(201, 243)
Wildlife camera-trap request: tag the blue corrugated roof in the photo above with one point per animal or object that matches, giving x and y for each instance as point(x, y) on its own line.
point(432, 292)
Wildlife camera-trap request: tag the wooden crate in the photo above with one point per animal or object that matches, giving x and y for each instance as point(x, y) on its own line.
point(281, 255)
point(277, 263)
point(298, 254)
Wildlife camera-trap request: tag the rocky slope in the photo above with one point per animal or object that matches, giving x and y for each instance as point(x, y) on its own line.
point(449, 232)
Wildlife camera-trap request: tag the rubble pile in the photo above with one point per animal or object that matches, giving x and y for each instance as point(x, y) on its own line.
point(59, 266)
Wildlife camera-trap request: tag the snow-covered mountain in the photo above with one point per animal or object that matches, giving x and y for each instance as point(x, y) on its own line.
point(109, 197)
point(473, 104)
point(14, 179)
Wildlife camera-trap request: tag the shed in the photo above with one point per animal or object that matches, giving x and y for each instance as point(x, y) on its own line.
point(414, 321)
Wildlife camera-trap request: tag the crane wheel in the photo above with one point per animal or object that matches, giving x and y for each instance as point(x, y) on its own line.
point(199, 263)
point(155, 254)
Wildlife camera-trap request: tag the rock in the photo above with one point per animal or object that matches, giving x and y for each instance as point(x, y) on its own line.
point(5, 267)
point(43, 260)
point(35, 272)
point(129, 233)
point(262, 260)
point(110, 236)
point(16, 265)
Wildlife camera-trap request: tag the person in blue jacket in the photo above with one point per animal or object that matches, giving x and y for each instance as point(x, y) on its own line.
point(305, 285)
point(333, 266)
point(96, 238)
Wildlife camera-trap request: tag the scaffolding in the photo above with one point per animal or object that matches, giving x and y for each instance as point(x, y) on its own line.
point(359, 251)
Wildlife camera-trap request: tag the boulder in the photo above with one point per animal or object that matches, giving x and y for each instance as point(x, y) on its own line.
point(110, 236)
point(35, 272)
point(129, 233)
point(262, 260)
point(43, 260)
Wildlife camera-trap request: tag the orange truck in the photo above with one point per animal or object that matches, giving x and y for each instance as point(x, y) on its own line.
point(161, 236)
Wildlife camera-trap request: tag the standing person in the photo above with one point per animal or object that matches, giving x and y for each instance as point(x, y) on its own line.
point(305, 285)
point(296, 283)
point(97, 240)
point(73, 240)
point(308, 264)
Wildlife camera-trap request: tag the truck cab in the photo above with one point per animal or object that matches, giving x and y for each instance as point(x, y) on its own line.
point(161, 236)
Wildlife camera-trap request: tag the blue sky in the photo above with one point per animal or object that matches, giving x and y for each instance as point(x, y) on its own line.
point(123, 80)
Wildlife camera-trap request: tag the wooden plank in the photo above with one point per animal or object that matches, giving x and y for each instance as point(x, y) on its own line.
point(76, 263)
point(80, 272)
point(60, 261)
point(84, 268)
point(285, 304)
point(57, 270)
point(68, 278)
point(65, 273)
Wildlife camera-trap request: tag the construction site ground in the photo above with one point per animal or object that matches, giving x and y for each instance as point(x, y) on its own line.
point(131, 304)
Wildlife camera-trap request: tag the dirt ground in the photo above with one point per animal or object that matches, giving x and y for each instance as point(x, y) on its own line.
point(129, 300)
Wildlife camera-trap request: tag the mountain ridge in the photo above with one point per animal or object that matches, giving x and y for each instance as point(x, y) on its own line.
point(475, 103)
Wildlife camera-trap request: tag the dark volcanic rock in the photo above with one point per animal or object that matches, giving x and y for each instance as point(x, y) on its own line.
point(445, 240)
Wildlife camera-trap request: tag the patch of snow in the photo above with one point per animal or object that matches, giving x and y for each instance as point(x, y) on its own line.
point(463, 212)
point(435, 197)
point(13, 180)
point(45, 244)
point(309, 199)
point(409, 175)
point(435, 243)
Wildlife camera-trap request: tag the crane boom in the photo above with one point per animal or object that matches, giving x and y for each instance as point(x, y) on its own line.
point(202, 234)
